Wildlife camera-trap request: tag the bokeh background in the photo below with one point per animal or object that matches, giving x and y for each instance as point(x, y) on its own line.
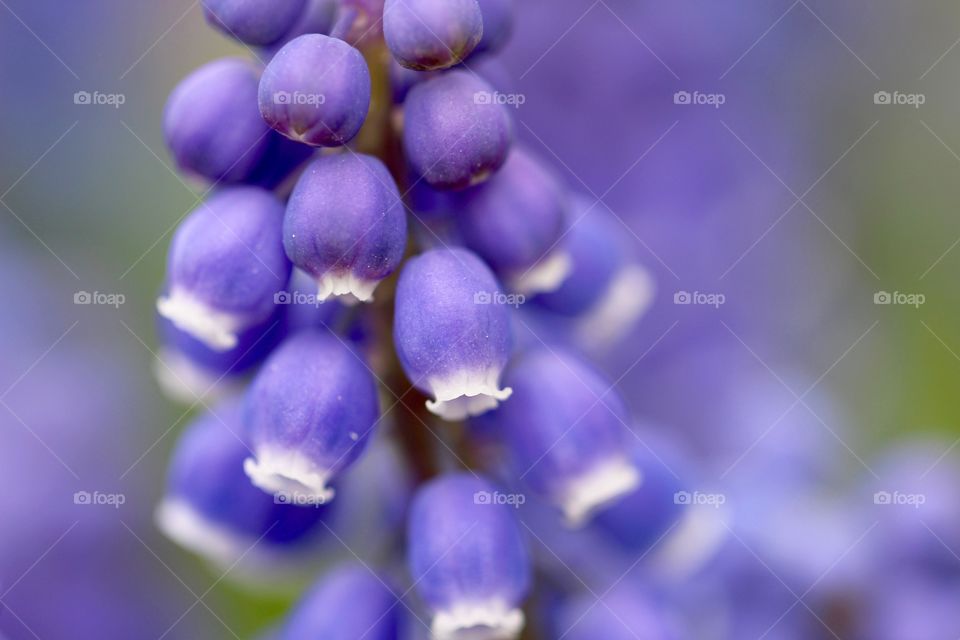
point(802, 199)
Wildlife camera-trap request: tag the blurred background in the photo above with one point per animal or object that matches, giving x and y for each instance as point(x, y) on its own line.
point(785, 170)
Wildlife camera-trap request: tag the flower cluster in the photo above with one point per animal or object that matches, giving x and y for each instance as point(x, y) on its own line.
point(355, 120)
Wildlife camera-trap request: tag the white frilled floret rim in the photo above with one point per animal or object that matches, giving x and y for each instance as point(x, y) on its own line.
point(345, 285)
point(600, 485)
point(216, 329)
point(545, 276)
point(494, 620)
point(467, 393)
point(289, 475)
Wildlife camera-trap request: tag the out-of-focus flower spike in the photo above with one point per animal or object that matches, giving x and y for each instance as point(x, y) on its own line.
point(468, 559)
point(345, 225)
point(497, 25)
point(452, 335)
point(309, 413)
point(564, 427)
point(225, 267)
point(625, 612)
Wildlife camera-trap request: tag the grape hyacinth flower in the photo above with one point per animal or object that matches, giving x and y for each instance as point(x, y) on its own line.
point(468, 559)
point(225, 267)
point(210, 506)
point(455, 134)
point(642, 517)
point(309, 413)
point(431, 34)
point(318, 16)
point(515, 221)
point(256, 22)
point(187, 369)
point(452, 337)
point(606, 290)
point(345, 225)
point(497, 25)
point(211, 123)
point(564, 428)
point(348, 603)
point(316, 90)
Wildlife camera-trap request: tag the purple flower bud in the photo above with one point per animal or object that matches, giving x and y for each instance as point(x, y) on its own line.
point(279, 162)
point(348, 603)
point(607, 289)
point(452, 339)
point(431, 34)
point(303, 309)
point(316, 90)
point(345, 225)
point(309, 413)
point(497, 25)
point(318, 16)
point(225, 267)
point(565, 428)
point(257, 22)
point(468, 559)
point(642, 517)
point(515, 222)
point(595, 252)
point(211, 123)
point(211, 507)
point(187, 369)
point(455, 134)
